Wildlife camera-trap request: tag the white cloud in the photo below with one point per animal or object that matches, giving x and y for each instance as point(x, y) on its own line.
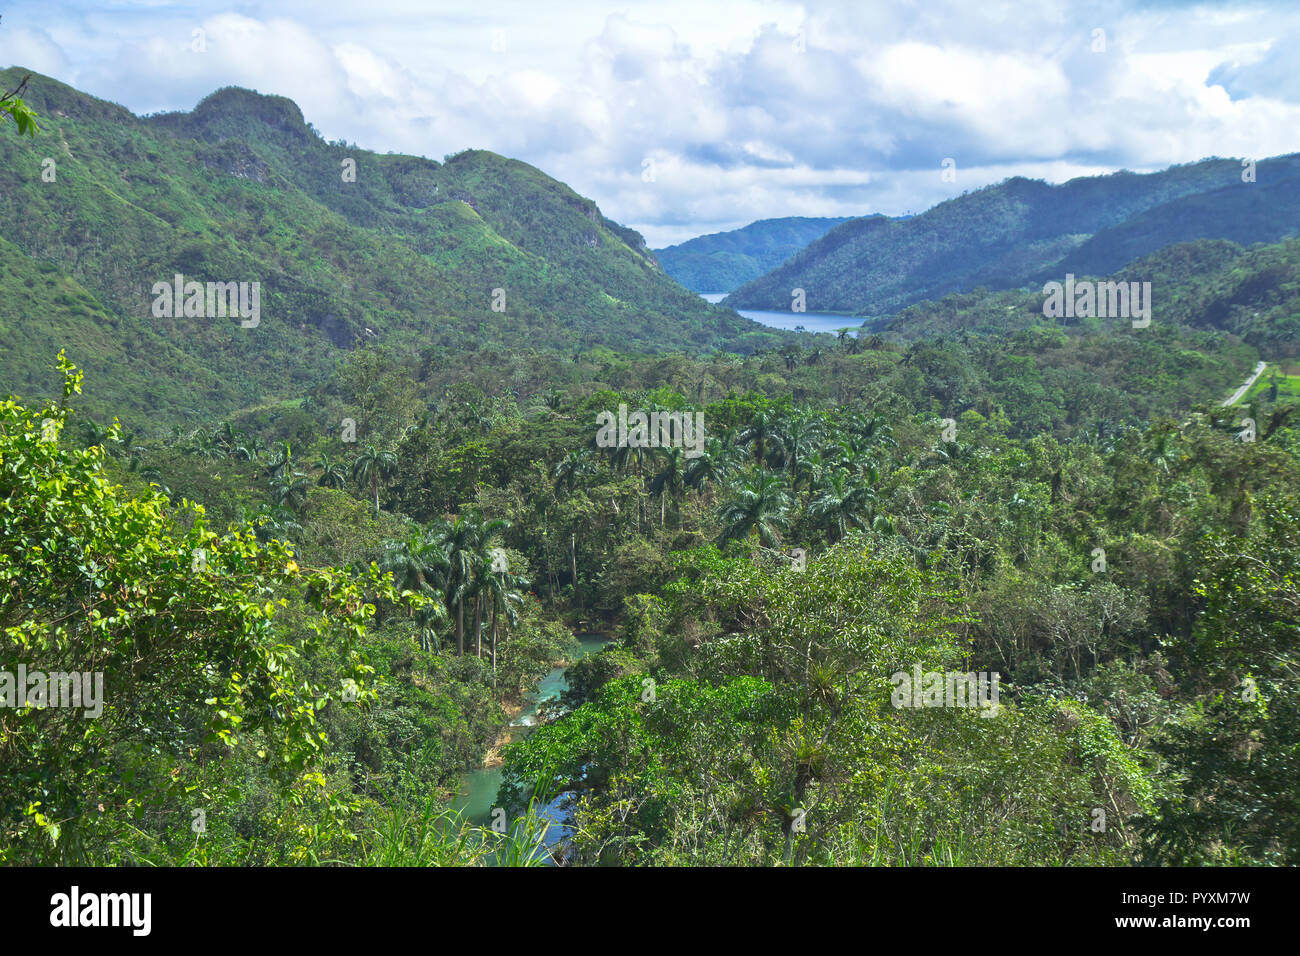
point(749, 109)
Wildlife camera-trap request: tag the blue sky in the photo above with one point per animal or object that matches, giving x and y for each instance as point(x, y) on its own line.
point(682, 117)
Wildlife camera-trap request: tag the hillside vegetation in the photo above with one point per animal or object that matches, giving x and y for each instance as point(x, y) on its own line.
point(1022, 232)
point(242, 189)
point(721, 261)
point(318, 577)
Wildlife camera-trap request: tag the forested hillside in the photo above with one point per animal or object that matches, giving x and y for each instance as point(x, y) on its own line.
point(346, 245)
point(1254, 294)
point(1023, 232)
point(721, 261)
point(321, 572)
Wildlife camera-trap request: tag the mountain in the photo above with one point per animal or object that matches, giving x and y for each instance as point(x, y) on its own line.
point(346, 245)
point(1022, 231)
point(1208, 285)
point(721, 261)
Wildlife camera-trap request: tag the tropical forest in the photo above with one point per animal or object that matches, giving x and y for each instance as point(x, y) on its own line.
point(464, 531)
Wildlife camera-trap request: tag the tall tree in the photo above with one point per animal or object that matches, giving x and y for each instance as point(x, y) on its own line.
point(765, 433)
point(333, 474)
point(760, 508)
point(373, 467)
point(671, 477)
point(844, 500)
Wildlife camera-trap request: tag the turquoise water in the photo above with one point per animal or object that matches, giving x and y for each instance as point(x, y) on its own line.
point(478, 789)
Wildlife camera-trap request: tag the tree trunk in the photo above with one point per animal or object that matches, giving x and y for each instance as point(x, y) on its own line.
point(478, 626)
point(460, 627)
point(494, 646)
point(550, 576)
point(573, 569)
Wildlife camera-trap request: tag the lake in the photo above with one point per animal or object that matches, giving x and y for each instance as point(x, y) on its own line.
point(811, 321)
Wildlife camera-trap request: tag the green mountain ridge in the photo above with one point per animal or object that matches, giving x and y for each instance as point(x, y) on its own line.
point(317, 639)
point(1211, 284)
point(1021, 231)
point(243, 189)
point(721, 261)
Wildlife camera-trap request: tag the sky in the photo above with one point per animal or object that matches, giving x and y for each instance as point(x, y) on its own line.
point(685, 117)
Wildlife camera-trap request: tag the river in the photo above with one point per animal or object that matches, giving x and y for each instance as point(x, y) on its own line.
point(792, 321)
point(478, 788)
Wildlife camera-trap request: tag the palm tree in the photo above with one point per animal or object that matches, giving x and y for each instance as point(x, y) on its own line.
point(801, 434)
point(765, 433)
point(950, 452)
point(426, 621)
point(791, 355)
point(290, 490)
point(626, 456)
point(869, 432)
point(281, 460)
point(570, 468)
point(671, 478)
point(417, 562)
point(333, 474)
point(456, 540)
point(373, 466)
point(465, 541)
point(504, 594)
point(492, 589)
point(714, 465)
point(226, 437)
point(844, 501)
point(759, 508)
point(244, 448)
point(807, 471)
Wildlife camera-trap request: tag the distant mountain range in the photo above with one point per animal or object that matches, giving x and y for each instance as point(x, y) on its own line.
point(722, 261)
point(1022, 232)
point(473, 254)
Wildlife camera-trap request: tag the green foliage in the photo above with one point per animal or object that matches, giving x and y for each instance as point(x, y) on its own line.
point(242, 190)
point(1022, 232)
point(1089, 522)
point(13, 107)
point(722, 261)
point(185, 629)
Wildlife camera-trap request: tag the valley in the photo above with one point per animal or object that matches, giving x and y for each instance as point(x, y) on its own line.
point(416, 513)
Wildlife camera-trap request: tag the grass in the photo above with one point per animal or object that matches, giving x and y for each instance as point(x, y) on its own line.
point(429, 834)
point(1287, 378)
